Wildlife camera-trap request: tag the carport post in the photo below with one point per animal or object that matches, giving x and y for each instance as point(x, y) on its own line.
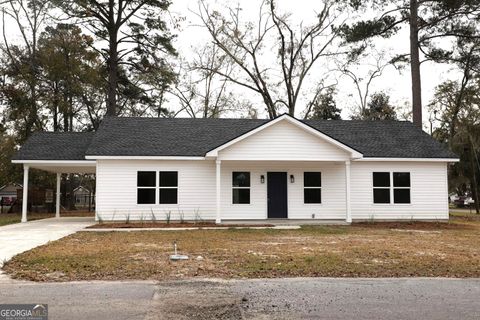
point(57, 200)
point(25, 193)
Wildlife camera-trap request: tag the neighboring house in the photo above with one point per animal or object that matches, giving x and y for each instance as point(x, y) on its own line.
point(239, 169)
point(83, 197)
point(8, 193)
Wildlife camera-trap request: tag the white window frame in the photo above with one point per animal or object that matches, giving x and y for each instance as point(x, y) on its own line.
point(392, 195)
point(151, 187)
point(391, 189)
point(320, 188)
point(160, 188)
point(249, 189)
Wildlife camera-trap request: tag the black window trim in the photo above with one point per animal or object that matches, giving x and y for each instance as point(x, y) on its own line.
point(392, 189)
point(249, 189)
point(315, 188)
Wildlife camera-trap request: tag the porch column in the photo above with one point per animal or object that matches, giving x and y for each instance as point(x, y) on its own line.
point(25, 193)
point(218, 163)
point(348, 218)
point(57, 200)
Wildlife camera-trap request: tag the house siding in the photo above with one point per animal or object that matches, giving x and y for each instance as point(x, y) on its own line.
point(117, 190)
point(429, 191)
point(283, 141)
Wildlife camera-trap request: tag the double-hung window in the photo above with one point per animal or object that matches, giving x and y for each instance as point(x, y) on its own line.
point(391, 187)
point(401, 187)
point(146, 187)
point(241, 187)
point(312, 187)
point(168, 187)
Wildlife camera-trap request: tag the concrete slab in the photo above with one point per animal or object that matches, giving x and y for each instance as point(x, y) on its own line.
point(19, 237)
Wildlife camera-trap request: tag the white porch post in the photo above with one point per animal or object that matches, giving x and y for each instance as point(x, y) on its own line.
point(348, 218)
point(57, 200)
point(218, 189)
point(25, 193)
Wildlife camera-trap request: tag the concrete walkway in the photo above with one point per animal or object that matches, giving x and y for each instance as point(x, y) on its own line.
point(19, 237)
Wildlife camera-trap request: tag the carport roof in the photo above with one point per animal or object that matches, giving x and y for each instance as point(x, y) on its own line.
point(55, 146)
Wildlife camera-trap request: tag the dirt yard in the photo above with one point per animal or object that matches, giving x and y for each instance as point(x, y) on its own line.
point(425, 249)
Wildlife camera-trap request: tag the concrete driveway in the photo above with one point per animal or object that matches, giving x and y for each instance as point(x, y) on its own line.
point(19, 237)
point(307, 298)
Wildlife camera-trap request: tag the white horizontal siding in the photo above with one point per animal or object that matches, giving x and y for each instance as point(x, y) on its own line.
point(428, 191)
point(283, 141)
point(333, 190)
point(117, 189)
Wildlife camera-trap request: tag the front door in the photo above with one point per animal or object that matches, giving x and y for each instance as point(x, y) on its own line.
point(277, 195)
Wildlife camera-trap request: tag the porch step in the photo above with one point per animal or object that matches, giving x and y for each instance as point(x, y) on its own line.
point(287, 222)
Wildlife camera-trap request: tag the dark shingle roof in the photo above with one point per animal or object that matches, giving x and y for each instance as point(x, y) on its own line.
point(55, 146)
point(195, 137)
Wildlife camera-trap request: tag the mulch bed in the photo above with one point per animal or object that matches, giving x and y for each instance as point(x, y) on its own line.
point(123, 225)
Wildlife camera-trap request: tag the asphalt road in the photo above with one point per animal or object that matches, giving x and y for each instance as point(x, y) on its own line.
point(306, 298)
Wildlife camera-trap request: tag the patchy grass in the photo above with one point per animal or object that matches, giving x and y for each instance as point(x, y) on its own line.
point(10, 218)
point(173, 224)
point(362, 250)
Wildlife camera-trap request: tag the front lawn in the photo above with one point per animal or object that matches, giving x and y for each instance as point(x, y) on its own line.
point(361, 250)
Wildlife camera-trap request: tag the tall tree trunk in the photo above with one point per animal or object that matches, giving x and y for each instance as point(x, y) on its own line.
point(112, 64)
point(415, 65)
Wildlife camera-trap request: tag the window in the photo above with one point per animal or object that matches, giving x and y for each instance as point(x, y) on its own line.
point(168, 187)
point(401, 187)
point(312, 187)
point(146, 186)
point(241, 187)
point(383, 189)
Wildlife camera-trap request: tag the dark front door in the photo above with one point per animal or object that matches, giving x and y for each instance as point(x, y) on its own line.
point(277, 195)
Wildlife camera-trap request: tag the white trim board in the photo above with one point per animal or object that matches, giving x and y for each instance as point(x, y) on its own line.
point(408, 159)
point(144, 158)
point(58, 162)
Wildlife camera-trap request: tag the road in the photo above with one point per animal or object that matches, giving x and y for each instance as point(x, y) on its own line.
point(304, 298)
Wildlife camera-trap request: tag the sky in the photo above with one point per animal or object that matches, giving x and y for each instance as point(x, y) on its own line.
point(398, 85)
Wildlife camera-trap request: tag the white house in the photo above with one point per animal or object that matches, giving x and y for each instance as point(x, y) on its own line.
point(245, 169)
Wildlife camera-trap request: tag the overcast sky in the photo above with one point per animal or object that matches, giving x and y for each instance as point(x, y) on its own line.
point(397, 85)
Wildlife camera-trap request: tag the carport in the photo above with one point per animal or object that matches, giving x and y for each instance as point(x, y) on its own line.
point(55, 152)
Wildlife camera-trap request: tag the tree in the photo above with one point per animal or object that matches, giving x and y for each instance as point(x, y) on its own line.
point(69, 67)
point(325, 107)
point(378, 108)
point(427, 21)
point(137, 40)
point(296, 50)
point(20, 64)
point(201, 91)
point(457, 111)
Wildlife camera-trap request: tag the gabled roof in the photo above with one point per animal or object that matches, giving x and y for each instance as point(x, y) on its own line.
point(182, 137)
point(295, 122)
point(55, 146)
